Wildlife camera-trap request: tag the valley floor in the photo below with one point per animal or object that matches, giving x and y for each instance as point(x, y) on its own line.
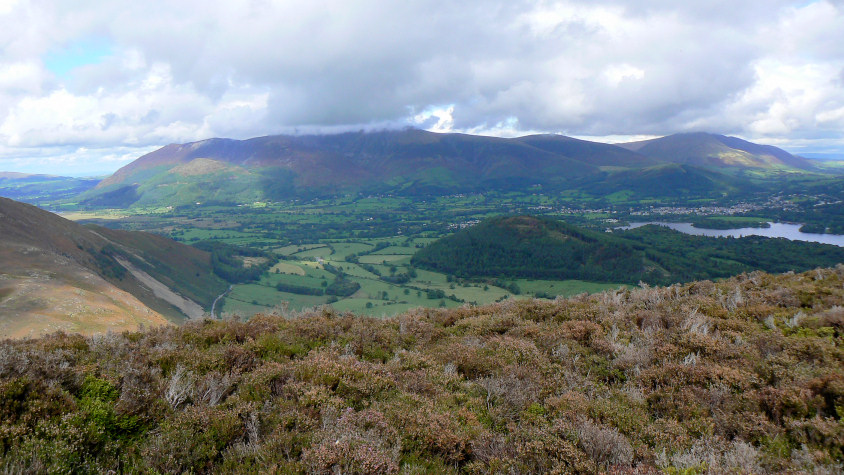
point(372, 239)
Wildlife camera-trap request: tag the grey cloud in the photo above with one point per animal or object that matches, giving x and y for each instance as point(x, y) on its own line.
point(583, 68)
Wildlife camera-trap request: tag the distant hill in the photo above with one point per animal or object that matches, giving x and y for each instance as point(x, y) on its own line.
point(406, 161)
point(712, 150)
point(545, 248)
point(594, 153)
point(43, 190)
point(57, 274)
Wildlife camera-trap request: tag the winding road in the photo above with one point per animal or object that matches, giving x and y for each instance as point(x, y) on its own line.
point(214, 305)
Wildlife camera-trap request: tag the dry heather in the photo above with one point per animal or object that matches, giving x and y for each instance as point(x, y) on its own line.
point(740, 376)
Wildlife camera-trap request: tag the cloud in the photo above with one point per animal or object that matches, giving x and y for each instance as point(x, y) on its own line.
point(105, 75)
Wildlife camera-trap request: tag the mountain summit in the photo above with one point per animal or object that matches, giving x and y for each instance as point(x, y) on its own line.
point(406, 161)
point(416, 162)
point(711, 150)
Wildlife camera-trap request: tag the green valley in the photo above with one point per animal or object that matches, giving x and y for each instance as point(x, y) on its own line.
point(370, 242)
point(311, 220)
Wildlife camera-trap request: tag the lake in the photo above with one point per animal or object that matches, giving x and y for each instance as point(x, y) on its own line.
point(777, 230)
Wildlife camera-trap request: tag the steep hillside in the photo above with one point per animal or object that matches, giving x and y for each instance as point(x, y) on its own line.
point(740, 376)
point(407, 161)
point(55, 273)
point(544, 248)
point(712, 150)
point(595, 153)
point(668, 181)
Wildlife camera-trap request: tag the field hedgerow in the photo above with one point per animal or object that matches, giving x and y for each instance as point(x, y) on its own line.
point(740, 376)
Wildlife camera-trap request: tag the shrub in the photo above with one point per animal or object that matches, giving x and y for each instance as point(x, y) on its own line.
point(684, 379)
point(192, 441)
point(605, 445)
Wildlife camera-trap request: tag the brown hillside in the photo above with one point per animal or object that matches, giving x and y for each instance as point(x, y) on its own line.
point(740, 376)
point(712, 150)
point(57, 274)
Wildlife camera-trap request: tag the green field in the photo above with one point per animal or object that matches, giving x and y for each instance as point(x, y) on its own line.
point(381, 258)
point(287, 268)
point(316, 252)
point(377, 297)
point(564, 288)
point(372, 239)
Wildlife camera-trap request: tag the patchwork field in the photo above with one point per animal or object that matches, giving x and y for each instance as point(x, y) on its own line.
point(370, 241)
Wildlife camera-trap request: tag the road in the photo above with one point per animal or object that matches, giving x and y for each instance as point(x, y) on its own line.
point(214, 305)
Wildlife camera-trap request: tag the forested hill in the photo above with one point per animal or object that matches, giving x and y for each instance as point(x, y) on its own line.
point(545, 248)
point(527, 246)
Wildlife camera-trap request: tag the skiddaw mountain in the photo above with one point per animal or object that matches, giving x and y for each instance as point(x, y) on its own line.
point(424, 163)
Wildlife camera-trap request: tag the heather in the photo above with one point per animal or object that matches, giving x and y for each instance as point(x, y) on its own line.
point(744, 375)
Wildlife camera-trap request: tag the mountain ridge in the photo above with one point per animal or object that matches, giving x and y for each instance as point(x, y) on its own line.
point(45, 260)
point(409, 160)
point(413, 161)
point(708, 150)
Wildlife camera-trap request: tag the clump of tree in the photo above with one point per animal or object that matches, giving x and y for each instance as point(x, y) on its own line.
point(227, 261)
point(401, 277)
point(298, 289)
point(342, 287)
point(105, 261)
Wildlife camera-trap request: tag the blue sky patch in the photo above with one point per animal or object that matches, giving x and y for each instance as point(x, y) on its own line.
point(78, 53)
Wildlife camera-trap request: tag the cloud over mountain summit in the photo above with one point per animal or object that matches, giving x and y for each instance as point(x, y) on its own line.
point(102, 81)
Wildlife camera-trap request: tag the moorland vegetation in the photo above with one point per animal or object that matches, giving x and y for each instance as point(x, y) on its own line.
point(744, 375)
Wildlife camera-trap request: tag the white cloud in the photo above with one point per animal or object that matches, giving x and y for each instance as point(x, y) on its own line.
point(21, 77)
point(180, 71)
point(615, 74)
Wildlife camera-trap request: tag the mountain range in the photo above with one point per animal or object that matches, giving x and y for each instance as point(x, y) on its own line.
point(417, 162)
point(59, 275)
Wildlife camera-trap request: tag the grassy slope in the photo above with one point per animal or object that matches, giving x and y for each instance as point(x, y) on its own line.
point(742, 376)
point(44, 292)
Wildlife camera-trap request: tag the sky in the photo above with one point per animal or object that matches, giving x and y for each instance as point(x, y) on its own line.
point(87, 86)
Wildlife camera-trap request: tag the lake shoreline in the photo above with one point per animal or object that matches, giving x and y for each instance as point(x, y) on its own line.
point(789, 231)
